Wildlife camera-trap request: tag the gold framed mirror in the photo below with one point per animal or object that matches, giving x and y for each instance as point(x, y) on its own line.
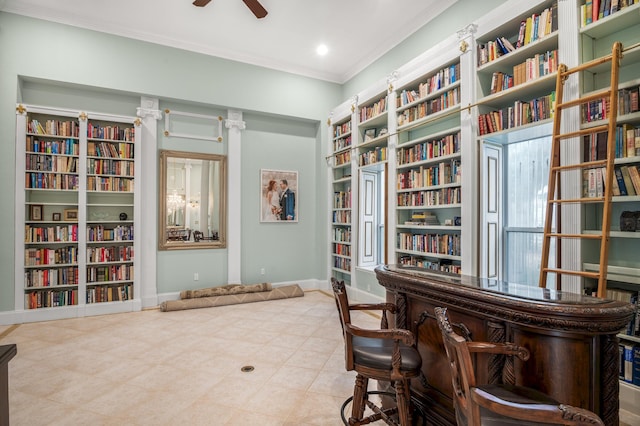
point(193, 201)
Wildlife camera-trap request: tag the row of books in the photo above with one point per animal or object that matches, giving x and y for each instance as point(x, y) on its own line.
point(446, 100)
point(368, 112)
point(61, 147)
point(627, 143)
point(342, 234)
point(593, 10)
point(102, 294)
point(50, 298)
point(342, 217)
point(600, 108)
point(109, 273)
point(119, 233)
point(630, 363)
point(342, 263)
point(54, 128)
point(433, 83)
point(626, 181)
point(531, 29)
point(342, 129)
point(114, 133)
point(447, 145)
point(422, 218)
point(343, 158)
point(49, 256)
point(374, 156)
point(48, 163)
point(445, 196)
point(110, 167)
point(531, 69)
point(51, 277)
point(341, 143)
point(109, 254)
point(448, 244)
point(43, 234)
point(628, 100)
point(444, 265)
point(342, 249)
point(439, 174)
point(342, 199)
point(519, 114)
point(57, 181)
point(109, 184)
point(110, 150)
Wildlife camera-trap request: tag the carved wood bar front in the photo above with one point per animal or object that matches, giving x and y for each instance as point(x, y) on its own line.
point(572, 338)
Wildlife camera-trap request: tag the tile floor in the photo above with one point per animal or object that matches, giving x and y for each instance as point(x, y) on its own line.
point(184, 367)
point(171, 368)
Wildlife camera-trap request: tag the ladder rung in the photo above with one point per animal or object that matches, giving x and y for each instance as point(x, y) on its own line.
point(585, 165)
point(585, 236)
point(582, 132)
point(579, 101)
point(585, 274)
point(578, 200)
point(592, 63)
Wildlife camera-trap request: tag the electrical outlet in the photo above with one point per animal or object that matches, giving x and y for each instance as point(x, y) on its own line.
point(262, 271)
point(196, 277)
point(369, 287)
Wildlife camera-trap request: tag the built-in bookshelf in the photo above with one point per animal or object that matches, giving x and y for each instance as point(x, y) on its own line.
point(75, 241)
point(601, 27)
point(342, 145)
point(428, 170)
point(373, 131)
point(516, 69)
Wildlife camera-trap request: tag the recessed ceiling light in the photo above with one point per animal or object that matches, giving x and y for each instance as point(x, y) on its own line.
point(322, 50)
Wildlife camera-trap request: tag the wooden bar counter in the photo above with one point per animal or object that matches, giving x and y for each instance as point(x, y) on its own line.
point(572, 338)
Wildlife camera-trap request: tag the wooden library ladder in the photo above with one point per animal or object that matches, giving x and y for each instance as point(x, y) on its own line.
point(554, 199)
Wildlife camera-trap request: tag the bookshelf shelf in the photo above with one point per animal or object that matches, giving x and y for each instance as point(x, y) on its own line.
point(433, 95)
point(69, 175)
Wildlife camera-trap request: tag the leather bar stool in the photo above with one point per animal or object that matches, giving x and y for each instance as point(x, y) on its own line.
point(383, 354)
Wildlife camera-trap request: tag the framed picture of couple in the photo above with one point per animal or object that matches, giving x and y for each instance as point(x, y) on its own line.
point(278, 196)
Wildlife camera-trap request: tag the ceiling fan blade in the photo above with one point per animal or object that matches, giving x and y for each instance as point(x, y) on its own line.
point(256, 8)
point(201, 3)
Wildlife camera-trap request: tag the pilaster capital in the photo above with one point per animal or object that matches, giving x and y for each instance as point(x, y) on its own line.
point(235, 121)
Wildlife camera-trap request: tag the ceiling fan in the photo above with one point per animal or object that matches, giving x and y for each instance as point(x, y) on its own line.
point(254, 5)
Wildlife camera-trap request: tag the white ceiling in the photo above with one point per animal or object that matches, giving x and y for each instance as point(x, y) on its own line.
point(357, 32)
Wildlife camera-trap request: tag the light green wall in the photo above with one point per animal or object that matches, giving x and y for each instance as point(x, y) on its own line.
point(287, 251)
point(113, 72)
point(455, 18)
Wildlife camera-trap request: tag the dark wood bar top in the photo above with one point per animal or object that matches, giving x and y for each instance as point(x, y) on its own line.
point(571, 337)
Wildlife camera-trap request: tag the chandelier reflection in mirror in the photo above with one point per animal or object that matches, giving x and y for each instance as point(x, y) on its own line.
point(175, 206)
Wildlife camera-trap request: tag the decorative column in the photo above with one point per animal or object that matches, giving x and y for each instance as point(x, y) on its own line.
point(234, 200)
point(148, 205)
point(469, 150)
point(571, 181)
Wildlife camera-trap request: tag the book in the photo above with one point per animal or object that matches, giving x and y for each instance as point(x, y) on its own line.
point(636, 366)
point(521, 34)
point(621, 184)
point(628, 363)
point(627, 180)
point(588, 12)
point(635, 178)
